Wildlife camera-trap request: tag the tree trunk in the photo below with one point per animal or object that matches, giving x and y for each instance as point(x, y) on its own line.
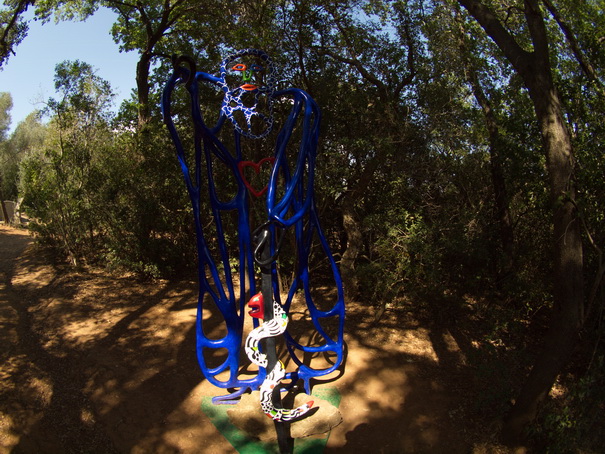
point(352, 228)
point(568, 289)
point(568, 292)
point(7, 221)
point(503, 217)
point(501, 204)
point(142, 79)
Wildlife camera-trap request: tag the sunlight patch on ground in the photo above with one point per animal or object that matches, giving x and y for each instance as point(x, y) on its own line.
point(417, 343)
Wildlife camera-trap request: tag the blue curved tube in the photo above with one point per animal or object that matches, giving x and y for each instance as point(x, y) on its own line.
point(295, 209)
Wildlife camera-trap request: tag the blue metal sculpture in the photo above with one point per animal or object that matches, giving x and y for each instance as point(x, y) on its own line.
point(248, 81)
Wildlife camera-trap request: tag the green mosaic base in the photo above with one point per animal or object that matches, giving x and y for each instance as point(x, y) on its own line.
point(244, 444)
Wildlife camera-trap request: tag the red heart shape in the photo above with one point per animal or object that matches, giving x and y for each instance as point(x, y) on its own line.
point(256, 167)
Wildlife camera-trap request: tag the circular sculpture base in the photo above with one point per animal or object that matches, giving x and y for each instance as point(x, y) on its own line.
point(248, 417)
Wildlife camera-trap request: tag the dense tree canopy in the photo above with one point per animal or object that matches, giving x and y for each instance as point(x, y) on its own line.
point(462, 159)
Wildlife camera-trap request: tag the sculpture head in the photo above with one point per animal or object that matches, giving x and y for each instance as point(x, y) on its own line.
point(248, 79)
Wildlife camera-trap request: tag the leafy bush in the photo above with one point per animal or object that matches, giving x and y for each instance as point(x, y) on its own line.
point(572, 421)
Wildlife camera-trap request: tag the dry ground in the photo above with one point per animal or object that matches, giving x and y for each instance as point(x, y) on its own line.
point(96, 363)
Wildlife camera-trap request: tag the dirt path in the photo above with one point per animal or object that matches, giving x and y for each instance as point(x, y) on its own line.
point(101, 364)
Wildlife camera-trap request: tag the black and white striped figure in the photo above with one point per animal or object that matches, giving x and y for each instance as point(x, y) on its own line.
point(274, 327)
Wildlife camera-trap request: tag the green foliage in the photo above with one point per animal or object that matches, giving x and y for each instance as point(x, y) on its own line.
point(12, 27)
point(86, 97)
point(60, 182)
point(6, 104)
point(28, 135)
point(149, 224)
point(60, 179)
point(65, 10)
point(99, 195)
point(572, 422)
point(394, 259)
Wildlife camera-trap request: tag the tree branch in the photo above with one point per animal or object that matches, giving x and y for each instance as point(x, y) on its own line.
point(537, 31)
point(519, 58)
point(6, 47)
point(582, 59)
point(407, 80)
point(353, 61)
point(357, 65)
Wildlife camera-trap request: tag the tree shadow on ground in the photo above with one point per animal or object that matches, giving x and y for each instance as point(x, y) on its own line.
point(394, 397)
point(108, 364)
point(101, 361)
point(425, 379)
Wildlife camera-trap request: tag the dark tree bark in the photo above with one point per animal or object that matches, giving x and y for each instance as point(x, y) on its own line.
point(568, 292)
point(501, 201)
point(143, 89)
point(352, 227)
point(2, 206)
point(496, 149)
